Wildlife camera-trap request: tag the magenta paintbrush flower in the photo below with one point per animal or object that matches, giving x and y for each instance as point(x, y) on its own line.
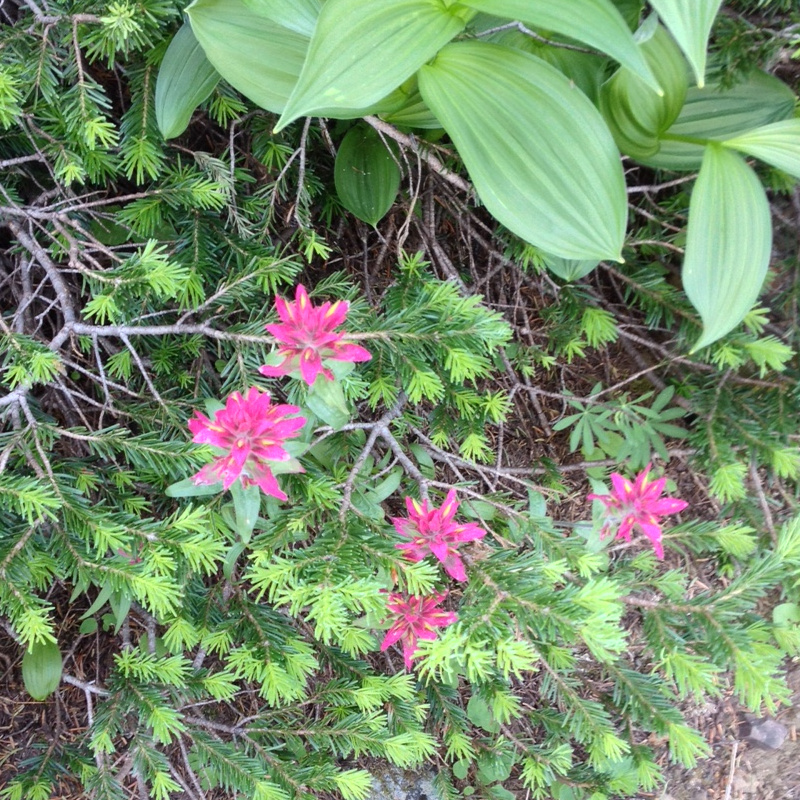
point(434, 531)
point(253, 431)
point(637, 504)
point(306, 335)
point(416, 619)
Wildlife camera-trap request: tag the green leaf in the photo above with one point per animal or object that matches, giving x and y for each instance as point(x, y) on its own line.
point(326, 399)
point(41, 669)
point(595, 22)
point(728, 242)
point(777, 144)
point(362, 50)
point(569, 269)
point(366, 174)
point(188, 488)
point(537, 150)
point(247, 505)
point(710, 113)
point(690, 24)
point(479, 714)
point(635, 114)
point(461, 768)
point(186, 78)
point(299, 16)
point(253, 53)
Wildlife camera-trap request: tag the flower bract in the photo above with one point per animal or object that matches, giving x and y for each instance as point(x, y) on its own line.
point(434, 531)
point(307, 338)
point(417, 617)
point(638, 504)
point(253, 432)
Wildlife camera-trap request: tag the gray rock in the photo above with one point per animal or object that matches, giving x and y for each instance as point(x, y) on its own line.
point(766, 733)
point(393, 783)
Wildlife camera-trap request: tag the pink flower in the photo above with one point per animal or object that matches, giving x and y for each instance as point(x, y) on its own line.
point(640, 504)
point(253, 431)
point(417, 618)
point(434, 531)
point(307, 337)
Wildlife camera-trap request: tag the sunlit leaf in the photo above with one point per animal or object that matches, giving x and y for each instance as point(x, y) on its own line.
point(728, 242)
point(709, 113)
point(186, 78)
point(777, 144)
point(362, 50)
point(252, 52)
point(299, 16)
point(537, 150)
point(596, 22)
point(366, 174)
point(690, 23)
point(635, 114)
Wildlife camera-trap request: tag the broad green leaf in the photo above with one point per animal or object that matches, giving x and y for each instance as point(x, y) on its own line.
point(690, 23)
point(569, 269)
point(720, 115)
point(366, 174)
point(362, 50)
point(586, 70)
point(327, 401)
point(595, 22)
point(185, 79)
point(299, 16)
point(540, 156)
point(253, 53)
point(413, 113)
point(635, 114)
point(247, 506)
point(41, 670)
point(777, 144)
point(479, 714)
point(728, 242)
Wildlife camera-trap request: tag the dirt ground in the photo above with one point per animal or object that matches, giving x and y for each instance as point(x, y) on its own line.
point(739, 769)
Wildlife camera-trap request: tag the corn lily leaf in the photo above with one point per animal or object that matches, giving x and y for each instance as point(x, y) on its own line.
point(710, 113)
point(299, 16)
point(540, 156)
point(569, 269)
point(586, 70)
point(690, 24)
point(777, 144)
point(366, 174)
point(635, 114)
point(255, 54)
point(186, 78)
point(362, 50)
point(595, 22)
point(728, 242)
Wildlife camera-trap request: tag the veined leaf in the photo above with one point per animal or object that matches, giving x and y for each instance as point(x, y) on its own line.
point(709, 113)
point(537, 150)
point(631, 11)
point(569, 269)
point(366, 174)
point(299, 16)
point(777, 144)
point(635, 114)
point(42, 666)
point(728, 242)
point(413, 113)
point(595, 22)
point(185, 79)
point(690, 23)
point(586, 70)
point(253, 53)
point(362, 50)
